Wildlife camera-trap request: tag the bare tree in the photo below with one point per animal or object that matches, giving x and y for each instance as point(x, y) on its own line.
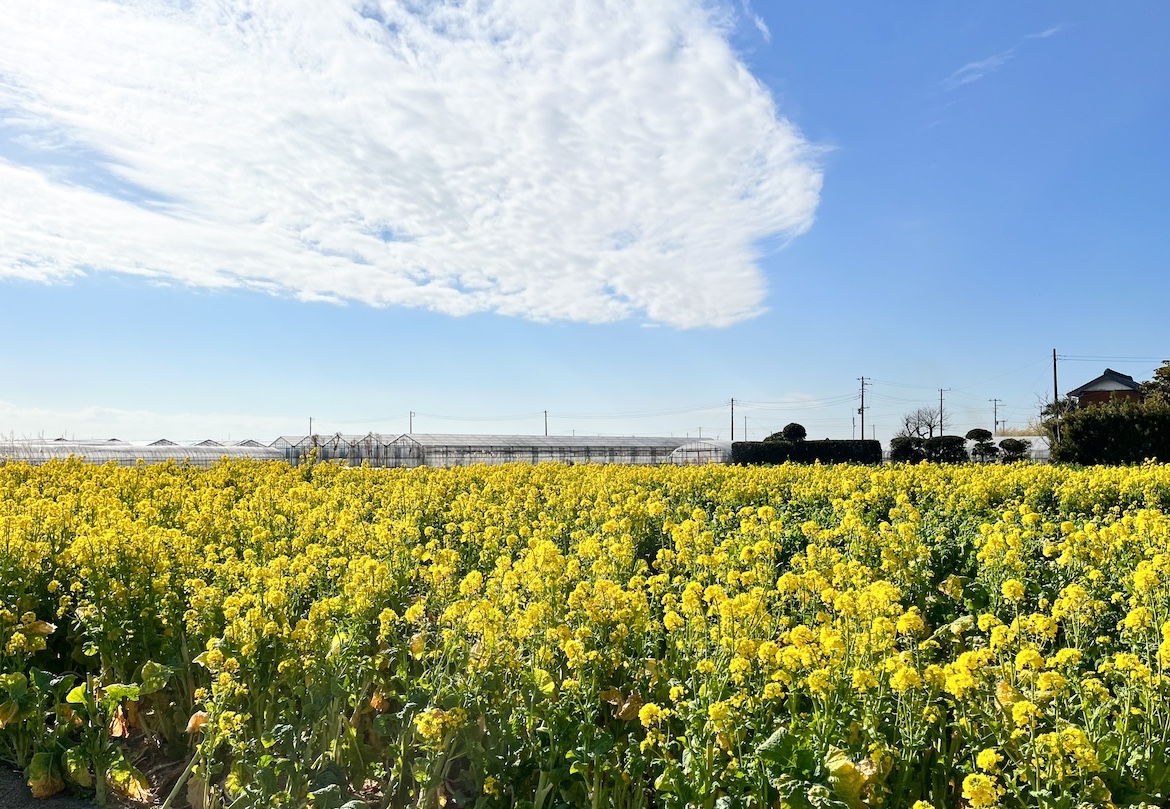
point(921, 423)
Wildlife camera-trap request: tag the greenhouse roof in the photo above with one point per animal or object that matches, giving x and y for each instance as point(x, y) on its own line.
point(538, 441)
point(474, 440)
point(40, 451)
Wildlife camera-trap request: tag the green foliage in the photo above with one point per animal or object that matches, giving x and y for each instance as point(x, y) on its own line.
point(907, 449)
point(946, 449)
point(1117, 432)
point(1015, 449)
point(794, 432)
point(827, 451)
point(1159, 386)
point(984, 450)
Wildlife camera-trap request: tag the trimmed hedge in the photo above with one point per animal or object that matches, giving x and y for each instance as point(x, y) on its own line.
point(827, 451)
point(946, 449)
point(1117, 432)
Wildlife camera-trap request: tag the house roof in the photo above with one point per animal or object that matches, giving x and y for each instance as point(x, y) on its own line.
point(1110, 380)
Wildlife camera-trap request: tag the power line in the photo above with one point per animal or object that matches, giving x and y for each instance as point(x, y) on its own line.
point(1078, 358)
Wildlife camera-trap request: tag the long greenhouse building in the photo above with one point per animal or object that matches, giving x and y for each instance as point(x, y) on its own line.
point(390, 451)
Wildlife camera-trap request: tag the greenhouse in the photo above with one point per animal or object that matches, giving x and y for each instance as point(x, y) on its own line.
point(409, 451)
point(124, 453)
point(701, 452)
point(449, 449)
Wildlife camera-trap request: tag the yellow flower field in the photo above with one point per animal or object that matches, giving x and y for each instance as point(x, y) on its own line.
point(589, 636)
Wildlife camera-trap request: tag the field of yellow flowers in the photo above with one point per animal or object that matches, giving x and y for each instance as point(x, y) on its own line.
point(589, 636)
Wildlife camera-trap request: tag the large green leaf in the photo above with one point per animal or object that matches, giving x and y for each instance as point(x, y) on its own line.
point(155, 677)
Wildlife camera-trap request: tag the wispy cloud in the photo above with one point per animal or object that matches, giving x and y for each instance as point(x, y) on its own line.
point(974, 71)
point(757, 20)
point(1047, 32)
point(549, 159)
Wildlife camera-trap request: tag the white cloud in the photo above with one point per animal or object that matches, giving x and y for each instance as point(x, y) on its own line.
point(549, 159)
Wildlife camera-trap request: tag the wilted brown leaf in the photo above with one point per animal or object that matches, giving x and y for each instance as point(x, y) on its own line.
point(612, 696)
point(197, 721)
point(630, 707)
point(119, 727)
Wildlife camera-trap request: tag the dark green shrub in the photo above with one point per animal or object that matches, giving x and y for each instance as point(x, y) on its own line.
point(827, 451)
point(794, 432)
point(907, 449)
point(946, 449)
point(1015, 449)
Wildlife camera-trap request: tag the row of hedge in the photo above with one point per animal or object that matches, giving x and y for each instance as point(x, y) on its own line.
point(827, 451)
point(1118, 432)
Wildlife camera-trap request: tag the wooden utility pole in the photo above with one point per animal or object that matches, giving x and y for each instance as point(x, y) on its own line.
point(1055, 396)
point(861, 409)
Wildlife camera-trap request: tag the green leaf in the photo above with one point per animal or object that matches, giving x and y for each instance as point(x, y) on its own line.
point(77, 767)
point(777, 748)
point(603, 744)
point(42, 776)
point(125, 779)
point(326, 798)
point(155, 677)
point(76, 695)
point(16, 681)
point(544, 681)
point(845, 777)
point(113, 695)
point(42, 680)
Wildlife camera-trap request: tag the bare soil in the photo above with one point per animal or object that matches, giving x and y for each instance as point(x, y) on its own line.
point(14, 794)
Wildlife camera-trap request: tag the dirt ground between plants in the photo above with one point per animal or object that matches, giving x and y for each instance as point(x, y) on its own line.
point(14, 794)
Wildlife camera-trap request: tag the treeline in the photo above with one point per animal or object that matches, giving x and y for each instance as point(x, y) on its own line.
point(953, 448)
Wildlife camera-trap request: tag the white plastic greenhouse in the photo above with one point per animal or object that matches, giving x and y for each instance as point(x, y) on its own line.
point(39, 451)
point(410, 450)
point(701, 452)
point(452, 449)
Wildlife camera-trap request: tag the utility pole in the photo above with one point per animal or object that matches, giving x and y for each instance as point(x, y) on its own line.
point(745, 436)
point(940, 412)
point(1055, 395)
point(410, 429)
point(546, 424)
point(995, 415)
point(861, 409)
point(853, 435)
point(733, 419)
point(1055, 389)
point(310, 425)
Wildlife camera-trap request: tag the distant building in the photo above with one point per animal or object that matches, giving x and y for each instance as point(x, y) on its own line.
point(1110, 386)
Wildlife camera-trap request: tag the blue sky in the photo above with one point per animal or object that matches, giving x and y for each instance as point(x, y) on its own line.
point(220, 221)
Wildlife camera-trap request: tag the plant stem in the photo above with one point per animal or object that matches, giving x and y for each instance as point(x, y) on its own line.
point(182, 780)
